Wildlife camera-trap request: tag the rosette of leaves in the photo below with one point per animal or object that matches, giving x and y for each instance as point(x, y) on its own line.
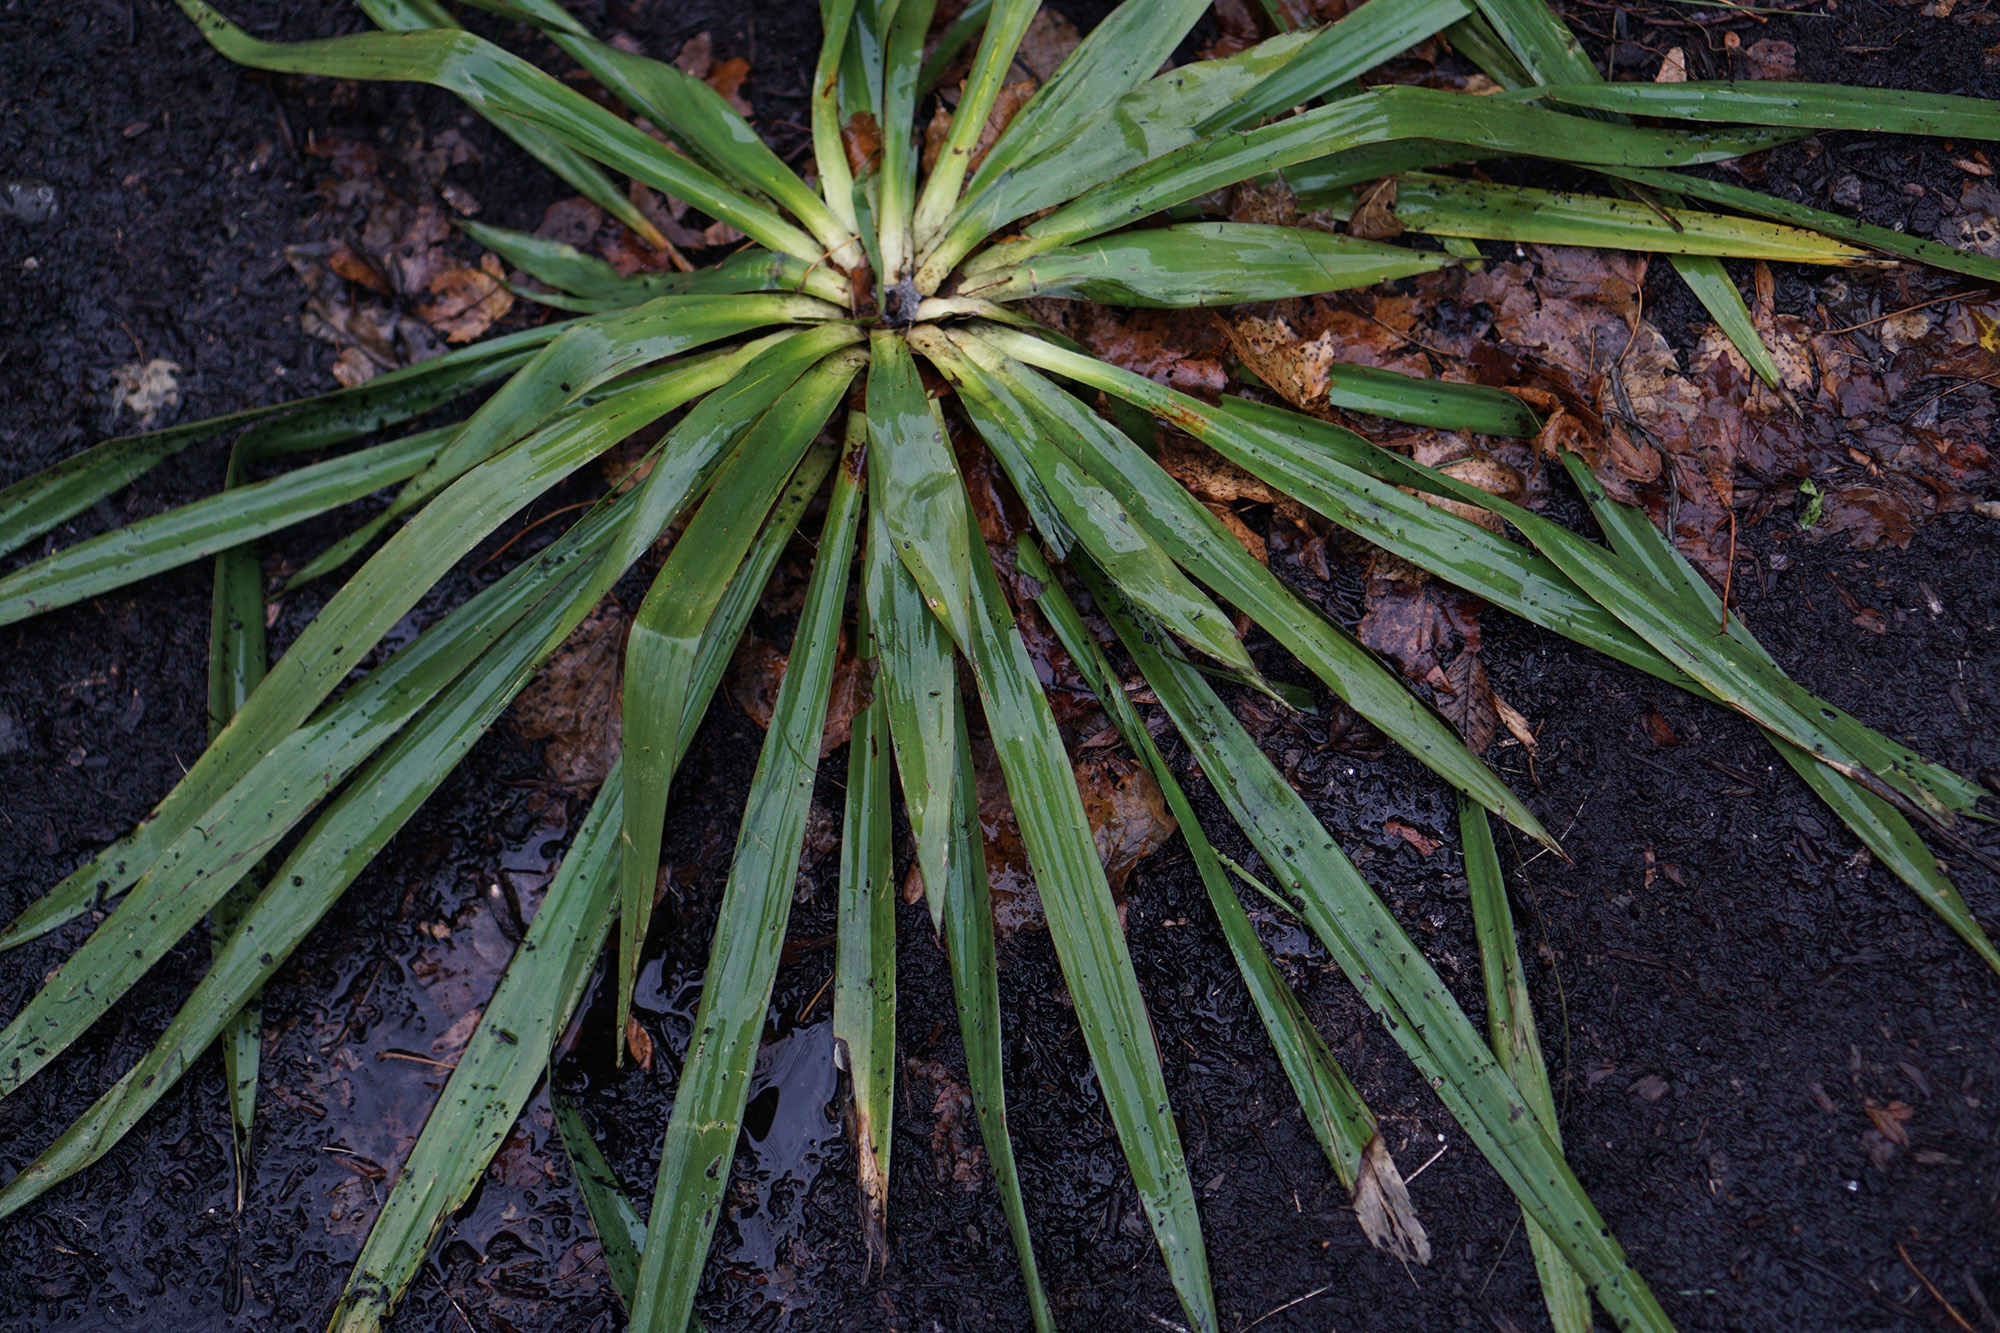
point(798, 366)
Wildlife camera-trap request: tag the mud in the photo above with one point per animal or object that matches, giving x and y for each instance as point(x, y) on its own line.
point(1726, 988)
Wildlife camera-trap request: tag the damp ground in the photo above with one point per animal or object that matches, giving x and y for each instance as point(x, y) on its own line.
point(1779, 1076)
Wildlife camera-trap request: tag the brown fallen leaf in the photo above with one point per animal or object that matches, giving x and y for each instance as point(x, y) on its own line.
point(575, 702)
point(1382, 1206)
point(1889, 1120)
point(1127, 812)
point(1375, 217)
point(755, 673)
point(1047, 43)
point(469, 300)
point(1657, 730)
point(956, 1158)
point(1769, 58)
point(639, 1042)
point(1397, 828)
point(1468, 701)
point(1416, 621)
point(862, 138)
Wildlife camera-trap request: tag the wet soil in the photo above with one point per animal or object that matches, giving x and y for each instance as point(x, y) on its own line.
point(1727, 987)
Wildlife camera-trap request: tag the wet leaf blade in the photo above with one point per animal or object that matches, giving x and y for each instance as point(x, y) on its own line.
point(1395, 980)
point(1205, 264)
point(1491, 126)
point(1718, 294)
point(1089, 942)
point(1013, 424)
point(967, 928)
point(698, 116)
point(864, 977)
point(1006, 23)
point(1807, 106)
point(1203, 547)
point(620, 1229)
point(1546, 48)
point(1340, 1119)
point(412, 561)
point(576, 170)
point(917, 680)
point(1337, 54)
point(509, 628)
point(743, 960)
point(600, 286)
point(1970, 263)
point(237, 661)
point(1321, 464)
point(37, 503)
point(487, 77)
point(1880, 826)
point(915, 483)
point(1510, 1027)
point(1444, 206)
point(502, 1064)
point(230, 518)
point(667, 633)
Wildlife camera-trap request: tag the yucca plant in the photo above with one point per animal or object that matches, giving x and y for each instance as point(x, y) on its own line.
point(796, 366)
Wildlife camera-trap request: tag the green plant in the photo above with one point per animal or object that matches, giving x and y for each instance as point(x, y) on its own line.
point(851, 279)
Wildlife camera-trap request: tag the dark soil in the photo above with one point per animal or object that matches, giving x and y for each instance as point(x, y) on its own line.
point(1726, 984)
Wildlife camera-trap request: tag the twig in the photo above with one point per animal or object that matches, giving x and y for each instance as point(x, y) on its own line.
point(1931, 1287)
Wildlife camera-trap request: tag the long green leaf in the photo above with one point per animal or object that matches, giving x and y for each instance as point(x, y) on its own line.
point(1202, 546)
point(498, 1071)
point(667, 634)
point(35, 504)
point(591, 354)
point(1879, 825)
point(492, 80)
point(510, 628)
point(1006, 23)
point(1968, 262)
point(1495, 127)
point(1443, 206)
point(836, 178)
point(1203, 264)
point(701, 119)
point(1394, 979)
point(384, 590)
point(895, 182)
point(864, 976)
point(1342, 1122)
point(1807, 106)
point(1156, 117)
point(1336, 55)
point(195, 531)
point(750, 933)
point(1135, 561)
point(915, 482)
point(1717, 292)
point(1084, 927)
point(916, 678)
point(237, 660)
point(1510, 1027)
point(1547, 50)
point(975, 987)
point(595, 285)
point(579, 172)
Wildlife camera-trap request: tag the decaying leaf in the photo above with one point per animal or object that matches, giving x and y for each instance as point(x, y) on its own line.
point(956, 1157)
point(1468, 701)
point(1049, 40)
point(148, 391)
point(1127, 812)
point(639, 1043)
point(469, 300)
point(1375, 216)
point(1382, 1206)
point(575, 703)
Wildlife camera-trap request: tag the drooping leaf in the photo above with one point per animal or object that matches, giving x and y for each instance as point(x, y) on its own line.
point(667, 634)
point(1203, 264)
point(750, 932)
point(1510, 1027)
